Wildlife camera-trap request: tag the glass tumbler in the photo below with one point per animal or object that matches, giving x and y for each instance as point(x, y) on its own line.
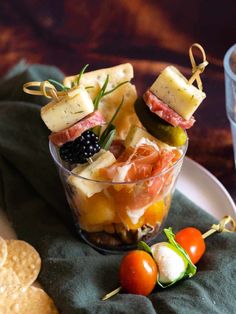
point(114, 216)
point(230, 91)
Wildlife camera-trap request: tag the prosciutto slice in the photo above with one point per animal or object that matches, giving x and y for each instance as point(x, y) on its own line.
point(165, 112)
point(70, 134)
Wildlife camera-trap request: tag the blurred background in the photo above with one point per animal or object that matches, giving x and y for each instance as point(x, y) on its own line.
point(150, 34)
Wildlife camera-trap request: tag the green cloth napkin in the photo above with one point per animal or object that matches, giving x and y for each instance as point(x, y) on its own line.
point(75, 275)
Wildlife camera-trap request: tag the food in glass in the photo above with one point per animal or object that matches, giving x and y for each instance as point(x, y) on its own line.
point(118, 202)
point(118, 155)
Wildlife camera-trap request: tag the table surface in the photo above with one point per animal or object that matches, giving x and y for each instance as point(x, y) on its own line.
point(147, 34)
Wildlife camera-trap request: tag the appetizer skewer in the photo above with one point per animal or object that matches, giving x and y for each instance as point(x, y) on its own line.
point(174, 260)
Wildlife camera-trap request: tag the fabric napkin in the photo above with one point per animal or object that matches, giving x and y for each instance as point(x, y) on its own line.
point(75, 275)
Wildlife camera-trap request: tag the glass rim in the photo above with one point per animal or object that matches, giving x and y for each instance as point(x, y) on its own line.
point(69, 172)
point(226, 62)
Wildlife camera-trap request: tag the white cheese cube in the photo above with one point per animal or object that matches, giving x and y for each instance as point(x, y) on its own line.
point(173, 89)
point(86, 188)
point(68, 110)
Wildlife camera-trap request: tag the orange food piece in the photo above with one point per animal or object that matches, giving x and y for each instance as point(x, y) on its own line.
point(155, 213)
point(125, 219)
point(145, 162)
point(98, 210)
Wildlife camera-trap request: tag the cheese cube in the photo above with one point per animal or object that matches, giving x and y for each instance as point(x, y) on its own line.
point(173, 89)
point(68, 110)
point(87, 188)
point(136, 134)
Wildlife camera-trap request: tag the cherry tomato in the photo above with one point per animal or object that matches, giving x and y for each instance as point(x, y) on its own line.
point(138, 273)
point(192, 241)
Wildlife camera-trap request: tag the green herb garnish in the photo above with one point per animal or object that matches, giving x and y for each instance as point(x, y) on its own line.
point(109, 132)
point(117, 86)
point(191, 269)
point(109, 138)
point(144, 247)
point(77, 80)
point(103, 92)
point(60, 85)
point(100, 94)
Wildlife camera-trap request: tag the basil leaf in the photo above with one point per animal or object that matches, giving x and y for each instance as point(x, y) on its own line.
point(166, 285)
point(191, 268)
point(144, 247)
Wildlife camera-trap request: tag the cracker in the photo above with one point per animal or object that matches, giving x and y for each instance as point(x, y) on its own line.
point(10, 289)
point(3, 251)
point(34, 301)
point(126, 116)
point(108, 105)
point(24, 260)
point(117, 74)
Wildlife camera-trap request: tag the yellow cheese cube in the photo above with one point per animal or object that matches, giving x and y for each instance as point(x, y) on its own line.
point(173, 89)
point(136, 134)
point(68, 110)
point(87, 188)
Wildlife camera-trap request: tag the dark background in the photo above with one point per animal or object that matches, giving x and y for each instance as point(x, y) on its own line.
point(150, 35)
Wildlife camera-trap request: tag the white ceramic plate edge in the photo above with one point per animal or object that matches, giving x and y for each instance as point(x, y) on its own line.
point(204, 189)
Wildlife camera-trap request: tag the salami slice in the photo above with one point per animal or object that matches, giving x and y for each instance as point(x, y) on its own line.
point(165, 112)
point(70, 134)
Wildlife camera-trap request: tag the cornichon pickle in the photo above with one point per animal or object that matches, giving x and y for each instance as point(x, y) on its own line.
point(174, 136)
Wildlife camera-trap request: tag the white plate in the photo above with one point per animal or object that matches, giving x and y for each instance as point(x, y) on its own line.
point(204, 189)
point(195, 182)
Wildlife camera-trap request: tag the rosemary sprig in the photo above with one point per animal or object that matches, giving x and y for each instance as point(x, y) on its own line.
point(117, 86)
point(109, 133)
point(77, 80)
point(100, 94)
point(103, 92)
point(109, 138)
point(56, 83)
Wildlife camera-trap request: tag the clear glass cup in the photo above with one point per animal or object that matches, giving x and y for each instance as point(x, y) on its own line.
point(118, 214)
point(230, 91)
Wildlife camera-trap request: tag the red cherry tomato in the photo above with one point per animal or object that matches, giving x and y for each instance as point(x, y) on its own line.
point(138, 273)
point(192, 241)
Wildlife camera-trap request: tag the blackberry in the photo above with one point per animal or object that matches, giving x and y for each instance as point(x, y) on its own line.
point(81, 149)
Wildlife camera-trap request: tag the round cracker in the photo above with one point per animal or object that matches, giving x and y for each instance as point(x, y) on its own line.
point(3, 251)
point(34, 301)
point(10, 289)
point(24, 260)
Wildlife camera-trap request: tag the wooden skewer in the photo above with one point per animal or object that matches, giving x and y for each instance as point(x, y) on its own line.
point(221, 227)
point(197, 69)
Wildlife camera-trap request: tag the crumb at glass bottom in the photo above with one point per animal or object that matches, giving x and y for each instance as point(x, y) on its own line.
point(114, 216)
